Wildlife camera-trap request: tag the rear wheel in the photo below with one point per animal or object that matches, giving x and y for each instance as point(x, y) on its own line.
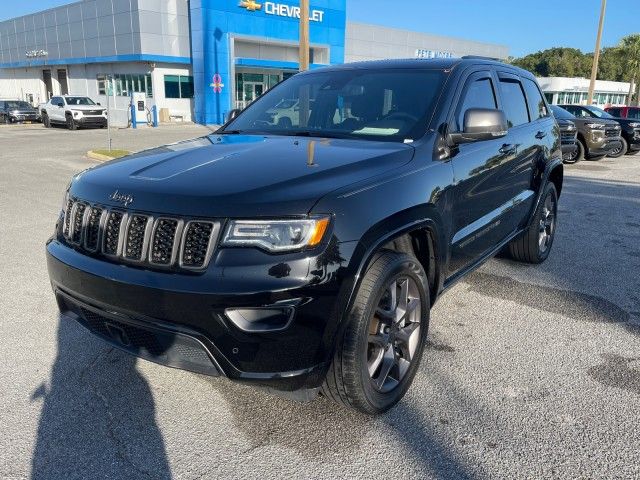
point(534, 245)
point(379, 352)
point(622, 150)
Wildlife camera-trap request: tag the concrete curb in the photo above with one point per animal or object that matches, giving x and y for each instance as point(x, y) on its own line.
point(99, 156)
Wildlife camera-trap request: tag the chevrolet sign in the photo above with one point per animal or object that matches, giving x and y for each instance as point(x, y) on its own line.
point(281, 10)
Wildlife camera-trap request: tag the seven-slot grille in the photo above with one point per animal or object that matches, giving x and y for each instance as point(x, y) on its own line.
point(140, 238)
point(568, 136)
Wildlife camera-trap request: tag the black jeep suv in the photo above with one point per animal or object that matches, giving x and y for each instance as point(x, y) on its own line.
point(304, 256)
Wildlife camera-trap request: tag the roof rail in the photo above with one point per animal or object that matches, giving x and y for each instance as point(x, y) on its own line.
point(480, 57)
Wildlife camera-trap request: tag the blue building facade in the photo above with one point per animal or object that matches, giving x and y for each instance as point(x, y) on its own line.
point(239, 49)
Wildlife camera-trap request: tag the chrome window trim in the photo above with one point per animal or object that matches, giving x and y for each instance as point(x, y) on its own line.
point(177, 242)
point(213, 241)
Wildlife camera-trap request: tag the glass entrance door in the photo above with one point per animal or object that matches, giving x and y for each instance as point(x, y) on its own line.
point(252, 90)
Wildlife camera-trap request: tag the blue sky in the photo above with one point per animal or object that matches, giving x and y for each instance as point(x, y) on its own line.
point(524, 26)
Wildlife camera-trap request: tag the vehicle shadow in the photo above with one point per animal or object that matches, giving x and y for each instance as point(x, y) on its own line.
point(98, 414)
point(404, 428)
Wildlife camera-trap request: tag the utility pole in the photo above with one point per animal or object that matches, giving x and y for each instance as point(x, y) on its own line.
point(303, 113)
point(596, 54)
point(304, 35)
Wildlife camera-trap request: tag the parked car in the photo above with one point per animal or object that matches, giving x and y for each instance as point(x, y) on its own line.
point(308, 258)
point(597, 137)
point(630, 142)
point(73, 111)
point(568, 134)
point(16, 111)
point(624, 112)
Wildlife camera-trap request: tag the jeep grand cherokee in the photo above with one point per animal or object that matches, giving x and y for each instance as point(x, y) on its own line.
point(306, 256)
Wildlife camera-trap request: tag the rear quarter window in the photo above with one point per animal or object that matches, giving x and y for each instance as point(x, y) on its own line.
point(537, 105)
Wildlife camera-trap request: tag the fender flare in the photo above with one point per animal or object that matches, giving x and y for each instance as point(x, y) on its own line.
point(544, 179)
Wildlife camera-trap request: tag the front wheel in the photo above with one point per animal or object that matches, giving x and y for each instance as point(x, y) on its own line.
point(379, 352)
point(71, 124)
point(534, 245)
point(622, 150)
point(45, 121)
point(576, 156)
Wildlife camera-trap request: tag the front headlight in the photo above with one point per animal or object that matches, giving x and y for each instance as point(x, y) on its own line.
point(596, 126)
point(276, 235)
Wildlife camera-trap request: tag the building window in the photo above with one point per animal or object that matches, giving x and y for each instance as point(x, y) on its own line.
point(178, 86)
point(126, 84)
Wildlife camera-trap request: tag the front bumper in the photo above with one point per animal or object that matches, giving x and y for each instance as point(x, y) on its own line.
point(606, 147)
point(91, 121)
point(163, 317)
point(634, 141)
point(19, 118)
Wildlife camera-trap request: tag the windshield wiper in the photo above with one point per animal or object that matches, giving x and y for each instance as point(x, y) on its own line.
point(229, 132)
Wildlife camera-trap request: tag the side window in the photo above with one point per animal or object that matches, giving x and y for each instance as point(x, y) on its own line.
point(513, 102)
point(634, 113)
point(56, 100)
point(537, 107)
point(615, 111)
point(479, 94)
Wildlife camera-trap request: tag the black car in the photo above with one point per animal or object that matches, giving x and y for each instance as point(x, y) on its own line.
point(17, 111)
point(568, 134)
point(630, 141)
point(306, 257)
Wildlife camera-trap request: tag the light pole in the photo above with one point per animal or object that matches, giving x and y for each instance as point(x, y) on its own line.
point(596, 54)
point(303, 114)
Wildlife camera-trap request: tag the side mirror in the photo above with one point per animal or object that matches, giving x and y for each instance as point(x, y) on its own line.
point(98, 103)
point(233, 114)
point(61, 105)
point(481, 124)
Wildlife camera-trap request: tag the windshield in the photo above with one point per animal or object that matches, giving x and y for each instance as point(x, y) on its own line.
point(598, 112)
point(79, 101)
point(559, 112)
point(382, 104)
point(18, 106)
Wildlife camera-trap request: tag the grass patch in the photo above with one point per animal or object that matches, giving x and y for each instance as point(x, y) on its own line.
point(112, 153)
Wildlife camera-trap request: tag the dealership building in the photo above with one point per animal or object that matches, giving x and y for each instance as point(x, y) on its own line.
point(194, 59)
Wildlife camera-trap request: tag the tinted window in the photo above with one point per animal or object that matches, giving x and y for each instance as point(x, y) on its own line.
point(364, 103)
point(561, 113)
point(79, 101)
point(56, 100)
point(633, 113)
point(615, 111)
point(479, 94)
point(513, 102)
point(581, 112)
point(537, 107)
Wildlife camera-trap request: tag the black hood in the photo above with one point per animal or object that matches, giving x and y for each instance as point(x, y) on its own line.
point(239, 175)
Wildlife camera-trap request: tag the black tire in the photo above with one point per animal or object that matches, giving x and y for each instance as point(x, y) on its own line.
point(632, 152)
point(621, 151)
point(576, 156)
point(582, 151)
point(527, 247)
point(71, 124)
point(348, 381)
point(7, 119)
point(45, 121)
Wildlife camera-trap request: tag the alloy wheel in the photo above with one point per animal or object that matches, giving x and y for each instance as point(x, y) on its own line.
point(547, 224)
point(394, 334)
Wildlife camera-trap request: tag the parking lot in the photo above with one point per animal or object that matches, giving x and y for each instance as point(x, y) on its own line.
point(530, 372)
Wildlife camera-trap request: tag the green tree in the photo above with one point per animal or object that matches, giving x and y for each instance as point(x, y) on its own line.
point(630, 49)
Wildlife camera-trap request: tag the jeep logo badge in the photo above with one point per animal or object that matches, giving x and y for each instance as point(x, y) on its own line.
point(122, 198)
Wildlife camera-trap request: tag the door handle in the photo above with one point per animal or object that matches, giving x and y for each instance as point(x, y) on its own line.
point(508, 149)
point(540, 135)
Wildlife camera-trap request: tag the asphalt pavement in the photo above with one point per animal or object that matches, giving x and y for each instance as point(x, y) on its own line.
point(531, 371)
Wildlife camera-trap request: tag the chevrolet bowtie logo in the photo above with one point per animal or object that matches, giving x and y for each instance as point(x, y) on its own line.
point(251, 5)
